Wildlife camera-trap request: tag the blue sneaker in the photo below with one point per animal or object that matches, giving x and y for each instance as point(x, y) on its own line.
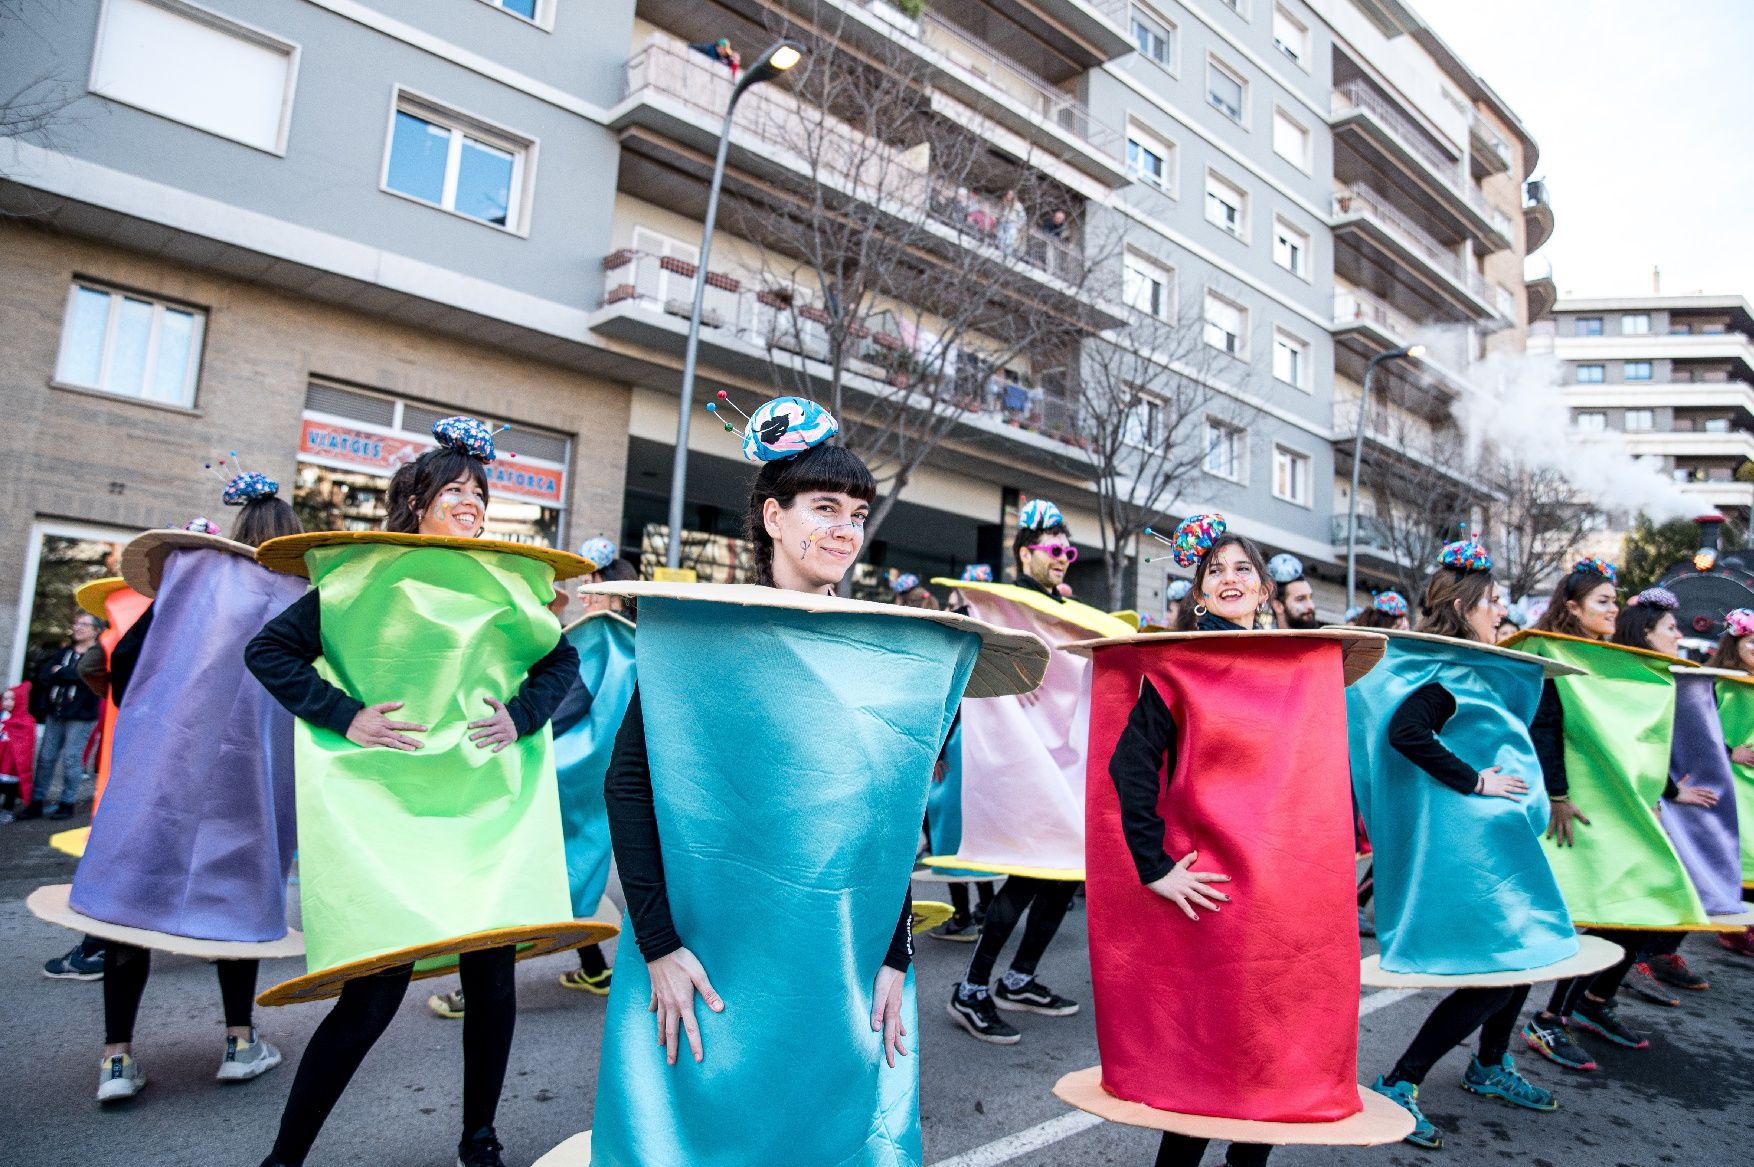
point(1505, 1084)
point(1406, 1096)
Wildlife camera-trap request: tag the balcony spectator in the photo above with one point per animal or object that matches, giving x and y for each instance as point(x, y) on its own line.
point(1011, 221)
point(1053, 224)
point(722, 52)
point(978, 212)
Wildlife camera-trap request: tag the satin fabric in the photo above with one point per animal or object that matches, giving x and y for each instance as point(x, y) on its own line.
point(1023, 758)
point(581, 754)
point(1735, 707)
point(790, 754)
point(1619, 720)
point(944, 806)
point(1250, 1012)
point(398, 848)
point(1462, 883)
point(121, 608)
point(197, 832)
point(1706, 838)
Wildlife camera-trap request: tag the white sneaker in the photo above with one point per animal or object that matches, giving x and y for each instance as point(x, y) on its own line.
point(247, 1059)
point(118, 1077)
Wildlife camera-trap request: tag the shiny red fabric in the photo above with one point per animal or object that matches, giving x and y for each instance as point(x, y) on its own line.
point(1252, 1012)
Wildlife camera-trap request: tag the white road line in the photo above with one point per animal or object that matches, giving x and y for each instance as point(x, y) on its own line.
point(1045, 1134)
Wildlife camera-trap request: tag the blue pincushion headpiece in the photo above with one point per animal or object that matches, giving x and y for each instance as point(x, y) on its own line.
point(248, 487)
point(1192, 539)
point(906, 582)
point(782, 428)
point(1178, 590)
point(466, 435)
point(1038, 514)
point(978, 573)
point(1285, 568)
point(1596, 565)
point(1390, 604)
point(1466, 555)
point(601, 551)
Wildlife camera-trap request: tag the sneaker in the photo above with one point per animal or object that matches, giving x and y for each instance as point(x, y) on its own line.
point(961, 931)
point(32, 810)
point(1033, 997)
point(447, 1005)
point(247, 1059)
point(480, 1149)
point(1740, 943)
point(61, 810)
point(1552, 1040)
point(976, 1014)
point(1504, 1083)
point(1603, 1020)
point(76, 966)
point(118, 1077)
point(1406, 1096)
point(1365, 927)
point(1672, 970)
point(1645, 985)
point(596, 984)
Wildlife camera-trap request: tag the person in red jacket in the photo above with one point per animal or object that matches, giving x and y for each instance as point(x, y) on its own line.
point(18, 744)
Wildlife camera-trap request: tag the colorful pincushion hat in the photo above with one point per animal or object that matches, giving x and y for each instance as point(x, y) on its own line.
point(1390, 604)
point(906, 582)
point(1466, 555)
point(248, 487)
point(1038, 514)
point(1658, 597)
point(1739, 621)
point(1285, 568)
point(782, 428)
point(978, 573)
point(601, 551)
point(1195, 536)
point(1596, 565)
point(467, 435)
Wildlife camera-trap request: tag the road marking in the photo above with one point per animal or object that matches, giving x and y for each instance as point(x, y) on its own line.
point(1045, 1134)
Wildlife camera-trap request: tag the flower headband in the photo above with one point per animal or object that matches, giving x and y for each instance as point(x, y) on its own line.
point(1466, 555)
point(906, 582)
point(601, 551)
point(1285, 568)
point(978, 573)
point(1739, 621)
point(1192, 539)
point(1038, 514)
point(1658, 598)
point(1390, 604)
point(1596, 566)
point(782, 428)
point(468, 436)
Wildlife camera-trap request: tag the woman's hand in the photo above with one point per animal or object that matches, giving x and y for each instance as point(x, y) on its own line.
point(370, 727)
point(1492, 784)
point(1687, 794)
point(886, 1012)
point(1559, 829)
point(674, 980)
point(1742, 755)
point(1188, 889)
point(496, 730)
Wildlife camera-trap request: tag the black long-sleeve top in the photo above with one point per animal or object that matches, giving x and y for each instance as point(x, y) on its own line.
point(639, 853)
point(126, 654)
point(1025, 580)
point(1548, 733)
point(1413, 733)
point(281, 655)
point(65, 696)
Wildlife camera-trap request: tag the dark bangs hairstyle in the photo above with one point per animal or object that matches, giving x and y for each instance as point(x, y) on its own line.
point(1725, 655)
point(1632, 627)
point(1571, 589)
point(834, 469)
point(415, 484)
point(1028, 535)
point(1449, 594)
point(1185, 619)
point(262, 519)
point(1371, 618)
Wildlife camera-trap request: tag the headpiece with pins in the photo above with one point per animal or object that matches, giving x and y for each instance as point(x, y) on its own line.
point(601, 551)
point(978, 573)
point(782, 428)
point(1657, 598)
point(1596, 565)
point(1392, 604)
point(1466, 553)
point(241, 486)
point(468, 435)
point(904, 583)
point(1739, 621)
point(1192, 539)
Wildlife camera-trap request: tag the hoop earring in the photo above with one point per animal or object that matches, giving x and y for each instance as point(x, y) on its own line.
point(1199, 609)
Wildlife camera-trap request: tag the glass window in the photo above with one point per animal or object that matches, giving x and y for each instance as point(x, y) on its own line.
point(1225, 325)
point(1144, 422)
point(1680, 330)
point(1225, 90)
point(1591, 374)
point(1635, 324)
point(438, 161)
point(1154, 39)
point(1717, 425)
point(1291, 475)
point(524, 8)
point(1147, 287)
point(1147, 164)
point(1226, 206)
point(1637, 371)
point(1290, 360)
point(1290, 248)
point(1290, 140)
point(1226, 449)
point(1639, 420)
point(1592, 422)
point(130, 346)
point(1291, 37)
point(1589, 326)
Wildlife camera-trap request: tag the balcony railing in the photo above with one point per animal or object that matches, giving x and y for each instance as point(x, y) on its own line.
point(1373, 534)
point(1491, 139)
point(1360, 200)
point(1354, 307)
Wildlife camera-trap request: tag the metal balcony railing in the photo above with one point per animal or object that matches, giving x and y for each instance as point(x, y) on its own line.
point(1373, 533)
point(1360, 306)
point(1361, 200)
point(1494, 141)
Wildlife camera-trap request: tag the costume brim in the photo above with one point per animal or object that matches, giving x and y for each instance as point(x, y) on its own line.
point(928, 914)
point(1593, 955)
point(927, 875)
point(1529, 634)
point(1362, 647)
point(71, 842)
point(1733, 923)
point(531, 940)
point(575, 1152)
point(143, 558)
point(90, 597)
point(1010, 662)
point(1551, 668)
point(1077, 617)
point(1381, 1121)
point(49, 904)
point(287, 553)
point(958, 863)
point(590, 616)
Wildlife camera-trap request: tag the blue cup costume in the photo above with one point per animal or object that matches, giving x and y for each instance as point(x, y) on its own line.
point(604, 643)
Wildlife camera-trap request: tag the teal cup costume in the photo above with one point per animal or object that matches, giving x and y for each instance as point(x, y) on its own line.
point(604, 643)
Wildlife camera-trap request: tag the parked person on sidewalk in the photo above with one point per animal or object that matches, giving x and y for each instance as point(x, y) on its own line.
point(71, 716)
point(18, 744)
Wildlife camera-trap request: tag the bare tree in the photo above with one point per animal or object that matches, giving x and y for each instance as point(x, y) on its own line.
point(30, 105)
point(1542, 525)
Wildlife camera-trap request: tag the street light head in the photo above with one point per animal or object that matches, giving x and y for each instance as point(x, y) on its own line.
point(785, 57)
point(779, 58)
point(1416, 351)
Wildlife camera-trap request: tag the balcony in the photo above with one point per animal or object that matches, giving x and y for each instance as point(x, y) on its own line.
point(1374, 536)
point(1737, 444)
point(1488, 152)
point(1538, 285)
point(1366, 326)
point(1721, 496)
point(1417, 449)
point(1537, 216)
point(1723, 346)
point(1398, 244)
point(1734, 395)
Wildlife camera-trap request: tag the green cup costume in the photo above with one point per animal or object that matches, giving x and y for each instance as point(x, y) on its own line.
point(421, 855)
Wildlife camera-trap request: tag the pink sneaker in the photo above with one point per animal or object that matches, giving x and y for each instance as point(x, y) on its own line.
point(1741, 943)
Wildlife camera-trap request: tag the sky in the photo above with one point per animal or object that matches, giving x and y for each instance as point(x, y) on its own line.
point(1644, 114)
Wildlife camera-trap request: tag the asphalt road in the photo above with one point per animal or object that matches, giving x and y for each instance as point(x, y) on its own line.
point(1687, 1101)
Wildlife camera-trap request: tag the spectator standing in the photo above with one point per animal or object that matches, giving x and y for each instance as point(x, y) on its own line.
point(71, 710)
point(722, 52)
point(1053, 224)
point(1011, 221)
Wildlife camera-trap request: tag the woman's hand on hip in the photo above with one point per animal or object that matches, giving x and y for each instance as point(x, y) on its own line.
point(886, 1012)
point(496, 729)
point(1188, 889)
point(675, 979)
point(371, 727)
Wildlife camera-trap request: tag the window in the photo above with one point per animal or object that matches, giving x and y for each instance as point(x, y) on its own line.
point(1711, 330)
point(1639, 420)
point(1592, 422)
point(1150, 159)
point(1226, 451)
point(1148, 287)
point(131, 346)
point(1591, 374)
point(523, 8)
point(1680, 330)
point(1635, 324)
point(1637, 371)
point(1226, 206)
point(1717, 425)
point(451, 161)
point(1291, 248)
point(1290, 359)
point(1291, 475)
point(1291, 37)
point(1154, 38)
point(198, 68)
point(1226, 325)
point(1144, 422)
point(1225, 91)
point(1290, 140)
point(1589, 326)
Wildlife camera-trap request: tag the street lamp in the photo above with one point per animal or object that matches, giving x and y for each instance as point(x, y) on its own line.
point(777, 60)
point(1414, 351)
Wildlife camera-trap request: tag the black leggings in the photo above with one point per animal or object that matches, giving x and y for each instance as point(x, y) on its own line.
point(591, 960)
point(126, 969)
point(1187, 1151)
point(1367, 883)
point(1492, 1011)
point(1046, 901)
point(1568, 994)
point(360, 1017)
point(959, 899)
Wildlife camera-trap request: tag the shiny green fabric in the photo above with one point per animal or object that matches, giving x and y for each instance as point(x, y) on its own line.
point(1623, 871)
point(1735, 706)
point(401, 849)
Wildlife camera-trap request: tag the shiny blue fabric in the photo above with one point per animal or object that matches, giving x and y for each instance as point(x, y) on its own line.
point(1707, 839)
point(1462, 885)
point(581, 755)
point(790, 756)
point(944, 810)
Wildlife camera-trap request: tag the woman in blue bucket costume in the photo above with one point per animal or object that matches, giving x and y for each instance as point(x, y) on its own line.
point(788, 788)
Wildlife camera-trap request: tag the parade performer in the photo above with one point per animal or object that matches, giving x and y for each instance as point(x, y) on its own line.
point(944, 817)
point(1023, 781)
point(423, 669)
point(1388, 610)
point(1735, 652)
point(745, 690)
point(1446, 777)
point(1215, 839)
point(191, 851)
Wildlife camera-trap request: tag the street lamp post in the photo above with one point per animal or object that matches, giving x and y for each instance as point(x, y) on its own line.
point(1415, 351)
point(771, 64)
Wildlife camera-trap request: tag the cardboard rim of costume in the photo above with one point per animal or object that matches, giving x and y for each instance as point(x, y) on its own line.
point(143, 558)
point(287, 553)
point(928, 914)
point(574, 1152)
point(1362, 648)
point(1075, 613)
point(1549, 668)
point(590, 616)
point(1009, 663)
point(91, 596)
point(1593, 955)
point(50, 905)
point(1378, 1121)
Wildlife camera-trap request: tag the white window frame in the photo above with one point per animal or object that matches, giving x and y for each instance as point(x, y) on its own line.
point(1173, 43)
point(1601, 372)
point(1626, 320)
point(33, 562)
point(106, 358)
point(1289, 232)
point(544, 18)
point(1143, 267)
point(1241, 352)
point(1649, 367)
point(1303, 351)
point(1305, 496)
point(1305, 161)
point(1217, 197)
point(1144, 427)
point(1647, 416)
point(1598, 421)
point(522, 147)
point(1236, 75)
point(1301, 61)
point(1239, 454)
point(1240, 7)
point(1149, 140)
